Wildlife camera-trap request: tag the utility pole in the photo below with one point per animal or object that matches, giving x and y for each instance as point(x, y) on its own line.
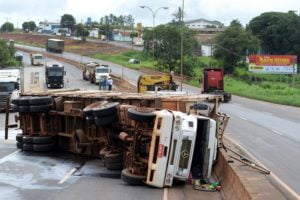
point(181, 47)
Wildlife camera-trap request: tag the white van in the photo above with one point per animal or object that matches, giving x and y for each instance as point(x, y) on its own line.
point(37, 59)
point(180, 144)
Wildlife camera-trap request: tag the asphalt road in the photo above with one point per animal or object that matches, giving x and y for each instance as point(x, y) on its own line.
point(268, 131)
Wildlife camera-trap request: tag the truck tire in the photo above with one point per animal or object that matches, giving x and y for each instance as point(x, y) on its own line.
point(24, 101)
point(114, 166)
point(112, 157)
point(132, 179)
point(40, 108)
point(106, 110)
point(88, 110)
point(24, 109)
point(145, 115)
point(14, 108)
point(19, 138)
point(104, 121)
point(15, 101)
point(43, 147)
point(40, 100)
point(27, 147)
point(42, 139)
point(19, 145)
point(27, 139)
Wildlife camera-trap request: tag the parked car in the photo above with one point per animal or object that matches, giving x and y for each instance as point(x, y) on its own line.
point(134, 61)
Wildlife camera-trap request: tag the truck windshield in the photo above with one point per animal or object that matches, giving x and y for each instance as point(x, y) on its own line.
point(102, 70)
point(38, 57)
point(55, 73)
point(7, 87)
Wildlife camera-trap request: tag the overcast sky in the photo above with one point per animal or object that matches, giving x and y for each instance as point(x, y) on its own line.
point(18, 11)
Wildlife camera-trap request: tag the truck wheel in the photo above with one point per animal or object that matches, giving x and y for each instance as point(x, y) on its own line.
point(42, 140)
point(15, 101)
point(27, 147)
point(112, 157)
point(24, 101)
point(40, 108)
point(104, 151)
point(15, 108)
point(104, 121)
point(114, 166)
point(19, 138)
point(24, 109)
point(132, 179)
point(27, 139)
point(40, 100)
point(106, 110)
point(141, 115)
point(43, 147)
point(88, 110)
point(19, 145)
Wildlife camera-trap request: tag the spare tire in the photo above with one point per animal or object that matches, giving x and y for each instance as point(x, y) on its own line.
point(43, 147)
point(24, 101)
point(27, 147)
point(106, 110)
point(40, 100)
point(19, 137)
point(88, 110)
point(27, 139)
point(112, 157)
point(132, 179)
point(104, 121)
point(15, 101)
point(19, 145)
point(42, 139)
point(141, 114)
point(40, 108)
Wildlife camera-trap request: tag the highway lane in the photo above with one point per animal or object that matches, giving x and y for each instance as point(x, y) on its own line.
point(269, 131)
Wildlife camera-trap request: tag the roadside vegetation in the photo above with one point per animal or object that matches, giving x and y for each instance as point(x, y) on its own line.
point(7, 53)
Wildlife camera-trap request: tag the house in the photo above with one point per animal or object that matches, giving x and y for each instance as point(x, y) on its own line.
point(94, 32)
point(49, 27)
point(201, 23)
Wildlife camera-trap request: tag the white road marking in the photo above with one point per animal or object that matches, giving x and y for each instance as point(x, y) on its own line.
point(6, 158)
point(277, 132)
point(243, 118)
point(283, 184)
point(165, 194)
point(67, 176)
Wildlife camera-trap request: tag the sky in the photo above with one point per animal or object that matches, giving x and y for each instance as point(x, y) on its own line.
point(18, 11)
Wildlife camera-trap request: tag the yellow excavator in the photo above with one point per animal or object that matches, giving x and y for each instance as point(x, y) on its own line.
point(156, 83)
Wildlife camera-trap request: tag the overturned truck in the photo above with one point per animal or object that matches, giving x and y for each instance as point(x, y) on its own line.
point(153, 138)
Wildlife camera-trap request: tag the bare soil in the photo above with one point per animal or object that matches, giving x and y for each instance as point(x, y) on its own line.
point(75, 46)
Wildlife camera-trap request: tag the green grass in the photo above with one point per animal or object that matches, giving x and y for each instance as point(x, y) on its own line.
point(123, 58)
point(30, 44)
point(267, 91)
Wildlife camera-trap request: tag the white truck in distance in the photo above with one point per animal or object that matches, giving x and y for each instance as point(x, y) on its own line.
point(94, 72)
point(101, 73)
point(37, 59)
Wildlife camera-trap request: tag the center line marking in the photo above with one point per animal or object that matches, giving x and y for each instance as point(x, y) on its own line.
point(165, 194)
point(277, 132)
point(67, 176)
point(243, 118)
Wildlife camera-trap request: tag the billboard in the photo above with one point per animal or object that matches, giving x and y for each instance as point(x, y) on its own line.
point(273, 64)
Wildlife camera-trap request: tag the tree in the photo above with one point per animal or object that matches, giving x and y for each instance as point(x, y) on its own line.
point(167, 46)
point(233, 44)
point(7, 53)
point(7, 27)
point(82, 31)
point(68, 21)
point(177, 15)
point(279, 32)
point(29, 26)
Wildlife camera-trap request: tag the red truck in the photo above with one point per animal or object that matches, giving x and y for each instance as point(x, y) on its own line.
point(213, 83)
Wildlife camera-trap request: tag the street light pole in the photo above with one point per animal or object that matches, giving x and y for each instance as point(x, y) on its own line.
point(153, 18)
point(181, 48)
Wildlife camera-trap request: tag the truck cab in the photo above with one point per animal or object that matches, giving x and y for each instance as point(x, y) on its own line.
point(101, 72)
point(9, 86)
point(180, 144)
point(89, 70)
point(37, 59)
point(55, 75)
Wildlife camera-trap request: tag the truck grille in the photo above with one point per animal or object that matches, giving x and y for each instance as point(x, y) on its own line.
point(3, 98)
point(185, 153)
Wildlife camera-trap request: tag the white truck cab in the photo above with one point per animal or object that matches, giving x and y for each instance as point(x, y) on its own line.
point(9, 87)
point(101, 72)
point(180, 144)
point(37, 59)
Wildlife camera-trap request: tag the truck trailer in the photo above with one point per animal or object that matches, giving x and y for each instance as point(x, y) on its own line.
point(55, 45)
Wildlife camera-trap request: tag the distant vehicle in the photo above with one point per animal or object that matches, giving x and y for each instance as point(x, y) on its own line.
point(9, 85)
point(68, 34)
point(156, 83)
point(55, 45)
point(55, 75)
point(37, 59)
point(94, 72)
point(19, 56)
point(11, 43)
point(134, 61)
point(213, 83)
point(138, 41)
